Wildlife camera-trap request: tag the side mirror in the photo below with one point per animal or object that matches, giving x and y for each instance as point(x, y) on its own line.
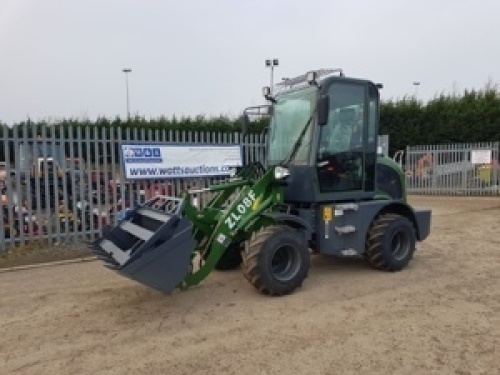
point(244, 122)
point(323, 110)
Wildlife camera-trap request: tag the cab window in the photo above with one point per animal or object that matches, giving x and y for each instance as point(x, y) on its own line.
point(340, 159)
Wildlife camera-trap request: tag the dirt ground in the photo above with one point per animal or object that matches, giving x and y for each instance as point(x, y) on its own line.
point(439, 316)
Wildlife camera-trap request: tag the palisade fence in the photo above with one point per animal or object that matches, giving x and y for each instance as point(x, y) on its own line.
point(452, 169)
point(63, 186)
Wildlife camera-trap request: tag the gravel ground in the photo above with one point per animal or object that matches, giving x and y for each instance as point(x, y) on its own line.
point(439, 316)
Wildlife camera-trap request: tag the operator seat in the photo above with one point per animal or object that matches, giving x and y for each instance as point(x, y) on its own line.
point(340, 165)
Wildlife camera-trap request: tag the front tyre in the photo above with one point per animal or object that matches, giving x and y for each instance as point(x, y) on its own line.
point(276, 260)
point(390, 243)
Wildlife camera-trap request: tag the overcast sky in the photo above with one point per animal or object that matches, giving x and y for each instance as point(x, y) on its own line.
point(64, 58)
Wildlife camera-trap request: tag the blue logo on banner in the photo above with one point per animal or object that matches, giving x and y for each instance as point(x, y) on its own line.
point(142, 155)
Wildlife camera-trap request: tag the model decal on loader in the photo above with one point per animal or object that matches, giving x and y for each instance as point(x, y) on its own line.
point(242, 208)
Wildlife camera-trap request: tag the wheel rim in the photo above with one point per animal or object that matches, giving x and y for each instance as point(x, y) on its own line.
point(400, 245)
point(285, 263)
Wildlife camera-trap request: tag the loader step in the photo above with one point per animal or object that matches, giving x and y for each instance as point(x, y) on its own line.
point(347, 206)
point(345, 229)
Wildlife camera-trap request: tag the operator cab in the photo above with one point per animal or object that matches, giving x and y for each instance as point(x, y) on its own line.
point(347, 142)
point(323, 132)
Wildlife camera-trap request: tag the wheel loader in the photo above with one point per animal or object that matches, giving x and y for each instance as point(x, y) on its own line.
point(324, 189)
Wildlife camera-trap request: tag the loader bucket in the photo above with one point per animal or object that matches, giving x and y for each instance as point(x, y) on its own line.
point(152, 245)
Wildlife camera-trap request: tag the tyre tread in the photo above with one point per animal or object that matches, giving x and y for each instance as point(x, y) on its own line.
point(250, 262)
point(374, 253)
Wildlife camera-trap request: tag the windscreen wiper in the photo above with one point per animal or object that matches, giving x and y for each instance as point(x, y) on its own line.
point(297, 144)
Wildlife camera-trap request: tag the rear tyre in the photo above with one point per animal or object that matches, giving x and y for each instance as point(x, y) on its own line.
point(390, 243)
point(276, 260)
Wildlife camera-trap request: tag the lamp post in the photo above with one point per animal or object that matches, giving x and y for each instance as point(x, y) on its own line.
point(416, 84)
point(127, 71)
point(271, 63)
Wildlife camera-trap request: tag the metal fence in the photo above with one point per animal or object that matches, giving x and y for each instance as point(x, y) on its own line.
point(66, 187)
point(453, 169)
point(63, 188)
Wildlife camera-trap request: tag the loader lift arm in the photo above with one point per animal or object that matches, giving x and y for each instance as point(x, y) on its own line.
point(235, 223)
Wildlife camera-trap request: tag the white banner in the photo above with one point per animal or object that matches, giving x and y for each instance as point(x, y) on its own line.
point(480, 157)
point(156, 161)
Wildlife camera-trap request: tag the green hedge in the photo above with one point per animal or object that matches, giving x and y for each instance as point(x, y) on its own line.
point(117, 125)
point(116, 128)
point(473, 116)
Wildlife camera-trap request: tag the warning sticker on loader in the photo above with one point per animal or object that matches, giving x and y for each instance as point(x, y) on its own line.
point(327, 213)
point(160, 161)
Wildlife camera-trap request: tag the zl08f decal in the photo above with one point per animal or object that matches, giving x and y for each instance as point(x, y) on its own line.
point(241, 210)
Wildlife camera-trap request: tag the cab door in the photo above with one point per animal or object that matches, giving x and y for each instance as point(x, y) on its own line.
point(345, 160)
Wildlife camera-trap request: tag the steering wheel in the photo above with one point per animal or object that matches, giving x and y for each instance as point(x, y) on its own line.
point(330, 163)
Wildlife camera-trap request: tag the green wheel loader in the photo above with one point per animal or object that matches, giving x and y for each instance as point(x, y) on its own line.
point(324, 189)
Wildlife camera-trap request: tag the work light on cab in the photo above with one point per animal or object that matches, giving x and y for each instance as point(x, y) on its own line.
point(311, 77)
point(280, 173)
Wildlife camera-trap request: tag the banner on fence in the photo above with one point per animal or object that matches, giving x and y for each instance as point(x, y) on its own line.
point(160, 161)
point(481, 156)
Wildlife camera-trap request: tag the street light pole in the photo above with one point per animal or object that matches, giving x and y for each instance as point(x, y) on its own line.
point(416, 84)
point(271, 63)
point(126, 71)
